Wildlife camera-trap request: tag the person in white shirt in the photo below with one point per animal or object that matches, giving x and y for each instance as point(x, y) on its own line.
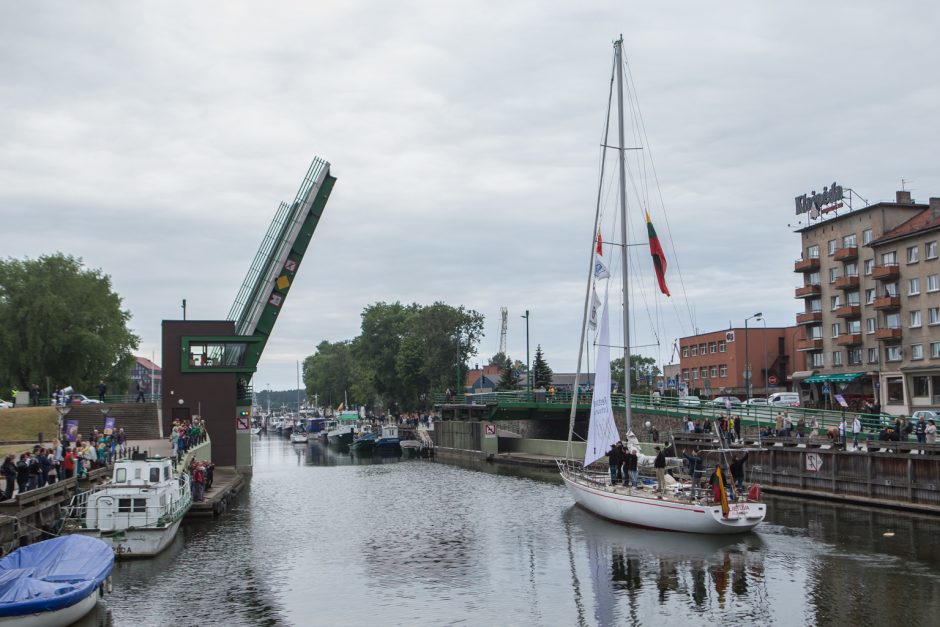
point(856, 430)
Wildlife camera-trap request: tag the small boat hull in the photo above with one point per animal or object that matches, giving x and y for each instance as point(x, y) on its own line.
point(137, 542)
point(645, 509)
point(58, 618)
point(298, 438)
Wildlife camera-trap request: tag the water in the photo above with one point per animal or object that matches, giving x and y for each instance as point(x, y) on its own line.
point(323, 539)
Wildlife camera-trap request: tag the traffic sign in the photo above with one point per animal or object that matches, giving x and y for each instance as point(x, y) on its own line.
point(772, 380)
point(490, 430)
point(672, 383)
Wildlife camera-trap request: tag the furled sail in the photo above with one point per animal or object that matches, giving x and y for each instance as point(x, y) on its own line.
point(602, 431)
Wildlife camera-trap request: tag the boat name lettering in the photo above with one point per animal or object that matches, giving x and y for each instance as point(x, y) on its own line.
point(805, 203)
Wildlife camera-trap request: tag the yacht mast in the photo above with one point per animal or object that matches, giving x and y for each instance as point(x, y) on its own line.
point(618, 49)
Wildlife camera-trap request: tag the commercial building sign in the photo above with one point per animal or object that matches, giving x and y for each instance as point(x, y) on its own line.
point(817, 204)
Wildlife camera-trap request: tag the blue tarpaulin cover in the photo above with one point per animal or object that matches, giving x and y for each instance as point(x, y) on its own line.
point(52, 574)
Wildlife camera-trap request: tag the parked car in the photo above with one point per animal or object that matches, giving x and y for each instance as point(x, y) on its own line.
point(927, 414)
point(689, 401)
point(758, 400)
point(5, 404)
point(722, 401)
point(784, 399)
point(81, 399)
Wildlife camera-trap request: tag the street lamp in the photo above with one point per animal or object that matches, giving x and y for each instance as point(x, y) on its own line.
point(766, 374)
point(528, 374)
point(747, 357)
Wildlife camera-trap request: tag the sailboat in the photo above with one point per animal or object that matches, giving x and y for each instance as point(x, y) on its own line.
point(672, 509)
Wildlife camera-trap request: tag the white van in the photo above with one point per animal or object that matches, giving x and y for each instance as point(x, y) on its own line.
point(784, 399)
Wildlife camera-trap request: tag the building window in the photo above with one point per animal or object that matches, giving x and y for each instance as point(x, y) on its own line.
point(835, 302)
point(889, 259)
point(853, 327)
point(818, 360)
point(813, 278)
point(723, 370)
point(873, 355)
point(920, 386)
point(832, 247)
point(892, 321)
point(869, 296)
point(851, 298)
point(895, 389)
point(870, 325)
point(855, 356)
point(866, 236)
point(695, 350)
point(917, 351)
point(912, 254)
point(930, 250)
point(891, 289)
point(933, 315)
point(934, 350)
point(714, 372)
point(851, 269)
point(712, 347)
point(685, 374)
point(916, 319)
point(869, 264)
point(701, 349)
point(913, 286)
point(833, 274)
point(849, 241)
point(704, 371)
point(835, 329)
point(892, 353)
point(933, 282)
point(721, 346)
point(695, 374)
point(685, 351)
point(815, 305)
point(814, 333)
point(812, 252)
point(836, 358)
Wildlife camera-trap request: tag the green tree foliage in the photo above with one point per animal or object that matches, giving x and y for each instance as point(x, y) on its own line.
point(406, 353)
point(329, 372)
point(500, 360)
point(644, 366)
point(541, 372)
point(62, 321)
point(508, 376)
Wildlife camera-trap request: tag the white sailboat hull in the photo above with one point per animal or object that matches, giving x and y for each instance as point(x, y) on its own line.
point(646, 510)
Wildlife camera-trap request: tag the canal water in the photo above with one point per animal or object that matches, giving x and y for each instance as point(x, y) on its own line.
point(325, 539)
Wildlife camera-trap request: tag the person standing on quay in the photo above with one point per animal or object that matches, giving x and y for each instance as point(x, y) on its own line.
point(856, 430)
point(659, 464)
point(102, 390)
point(141, 388)
point(931, 432)
point(920, 430)
point(9, 473)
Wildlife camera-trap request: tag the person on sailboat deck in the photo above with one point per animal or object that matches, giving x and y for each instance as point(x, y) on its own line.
point(615, 461)
point(696, 467)
point(659, 464)
point(737, 471)
point(630, 468)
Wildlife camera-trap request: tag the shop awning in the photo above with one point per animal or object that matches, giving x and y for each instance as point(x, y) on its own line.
point(802, 374)
point(835, 378)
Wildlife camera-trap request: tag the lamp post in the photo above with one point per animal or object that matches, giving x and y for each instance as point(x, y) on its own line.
point(766, 374)
point(747, 357)
point(480, 379)
point(528, 373)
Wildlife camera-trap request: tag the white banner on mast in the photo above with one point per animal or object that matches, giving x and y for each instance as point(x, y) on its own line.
point(602, 430)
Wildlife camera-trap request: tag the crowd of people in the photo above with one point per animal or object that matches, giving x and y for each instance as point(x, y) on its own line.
point(185, 434)
point(201, 473)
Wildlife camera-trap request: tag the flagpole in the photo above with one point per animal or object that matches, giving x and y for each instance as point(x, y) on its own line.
point(623, 235)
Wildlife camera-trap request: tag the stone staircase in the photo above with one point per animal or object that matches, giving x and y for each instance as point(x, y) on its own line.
point(139, 420)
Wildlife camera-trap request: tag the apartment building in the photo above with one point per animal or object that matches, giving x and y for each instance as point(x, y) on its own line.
point(870, 325)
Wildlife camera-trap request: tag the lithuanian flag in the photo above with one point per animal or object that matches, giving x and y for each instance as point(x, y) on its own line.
point(659, 258)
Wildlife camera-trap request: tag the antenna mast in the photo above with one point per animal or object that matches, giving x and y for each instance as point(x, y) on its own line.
point(504, 321)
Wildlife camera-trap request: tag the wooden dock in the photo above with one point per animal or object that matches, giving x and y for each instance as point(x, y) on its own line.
point(226, 484)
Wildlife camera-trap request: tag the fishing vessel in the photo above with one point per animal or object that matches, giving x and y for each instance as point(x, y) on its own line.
point(298, 437)
point(138, 511)
point(680, 507)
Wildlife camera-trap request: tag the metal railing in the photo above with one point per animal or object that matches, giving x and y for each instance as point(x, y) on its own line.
point(76, 514)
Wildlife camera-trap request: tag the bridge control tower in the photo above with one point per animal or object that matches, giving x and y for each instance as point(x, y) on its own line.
point(208, 365)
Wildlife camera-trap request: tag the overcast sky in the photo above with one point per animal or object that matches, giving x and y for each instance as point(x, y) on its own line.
point(155, 141)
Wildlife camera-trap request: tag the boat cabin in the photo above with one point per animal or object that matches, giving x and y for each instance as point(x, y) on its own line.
point(140, 494)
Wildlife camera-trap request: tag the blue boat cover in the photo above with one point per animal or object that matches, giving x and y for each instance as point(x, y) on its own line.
point(52, 574)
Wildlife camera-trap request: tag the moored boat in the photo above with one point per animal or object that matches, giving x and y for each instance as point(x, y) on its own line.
point(341, 435)
point(138, 511)
point(298, 437)
point(363, 444)
point(54, 582)
point(389, 442)
point(413, 448)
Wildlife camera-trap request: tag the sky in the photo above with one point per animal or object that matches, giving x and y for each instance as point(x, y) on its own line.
point(155, 141)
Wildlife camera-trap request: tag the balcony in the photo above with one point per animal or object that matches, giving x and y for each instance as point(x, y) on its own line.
point(808, 290)
point(849, 282)
point(887, 303)
point(811, 344)
point(848, 311)
point(888, 272)
point(806, 265)
point(809, 317)
point(845, 254)
point(888, 335)
point(849, 339)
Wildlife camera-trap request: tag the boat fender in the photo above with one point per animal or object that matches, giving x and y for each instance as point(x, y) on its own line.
point(753, 493)
point(108, 583)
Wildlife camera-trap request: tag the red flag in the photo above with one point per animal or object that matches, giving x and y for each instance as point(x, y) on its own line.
point(659, 258)
point(600, 243)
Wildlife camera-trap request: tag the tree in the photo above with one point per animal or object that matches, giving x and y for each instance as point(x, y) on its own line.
point(645, 367)
point(328, 373)
point(500, 360)
point(62, 321)
point(508, 376)
point(541, 372)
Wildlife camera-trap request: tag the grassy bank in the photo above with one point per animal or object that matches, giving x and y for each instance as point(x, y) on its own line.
point(26, 423)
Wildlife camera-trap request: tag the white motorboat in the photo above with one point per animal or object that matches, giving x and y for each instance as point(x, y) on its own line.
point(138, 511)
point(669, 509)
point(298, 437)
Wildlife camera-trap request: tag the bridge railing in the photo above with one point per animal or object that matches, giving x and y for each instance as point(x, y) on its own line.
point(754, 415)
